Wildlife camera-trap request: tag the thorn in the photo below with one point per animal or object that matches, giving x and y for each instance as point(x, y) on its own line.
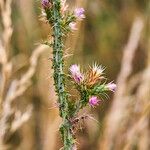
point(52, 107)
point(50, 58)
point(92, 118)
point(37, 43)
point(56, 105)
point(61, 148)
point(67, 55)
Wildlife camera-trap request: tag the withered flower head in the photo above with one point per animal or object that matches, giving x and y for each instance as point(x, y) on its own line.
point(94, 75)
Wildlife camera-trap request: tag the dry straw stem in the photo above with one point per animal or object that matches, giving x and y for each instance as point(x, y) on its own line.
point(5, 9)
point(20, 119)
point(119, 112)
point(10, 89)
point(140, 128)
point(25, 81)
point(128, 55)
point(16, 89)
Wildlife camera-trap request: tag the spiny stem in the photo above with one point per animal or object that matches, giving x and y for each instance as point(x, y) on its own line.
point(58, 65)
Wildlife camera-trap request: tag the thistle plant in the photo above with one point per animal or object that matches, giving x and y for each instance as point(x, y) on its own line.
point(91, 84)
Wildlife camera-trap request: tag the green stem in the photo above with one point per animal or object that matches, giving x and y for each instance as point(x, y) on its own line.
point(82, 102)
point(59, 79)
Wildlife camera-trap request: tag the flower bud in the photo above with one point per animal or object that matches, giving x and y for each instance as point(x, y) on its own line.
point(73, 25)
point(46, 3)
point(79, 13)
point(94, 101)
point(111, 86)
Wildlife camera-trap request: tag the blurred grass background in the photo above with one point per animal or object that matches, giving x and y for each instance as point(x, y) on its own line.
point(101, 38)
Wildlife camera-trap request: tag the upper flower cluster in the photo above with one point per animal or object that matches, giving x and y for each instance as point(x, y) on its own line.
point(69, 18)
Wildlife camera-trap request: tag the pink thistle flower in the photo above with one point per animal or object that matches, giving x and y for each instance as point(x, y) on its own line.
point(79, 13)
point(94, 101)
point(46, 3)
point(73, 25)
point(76, 74)
point(111, 86)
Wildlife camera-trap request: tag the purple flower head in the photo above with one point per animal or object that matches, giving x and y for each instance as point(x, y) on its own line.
point(79, 13)
point(45, 3)
point(111, 86)
point(76, 74)
point(94, 101)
